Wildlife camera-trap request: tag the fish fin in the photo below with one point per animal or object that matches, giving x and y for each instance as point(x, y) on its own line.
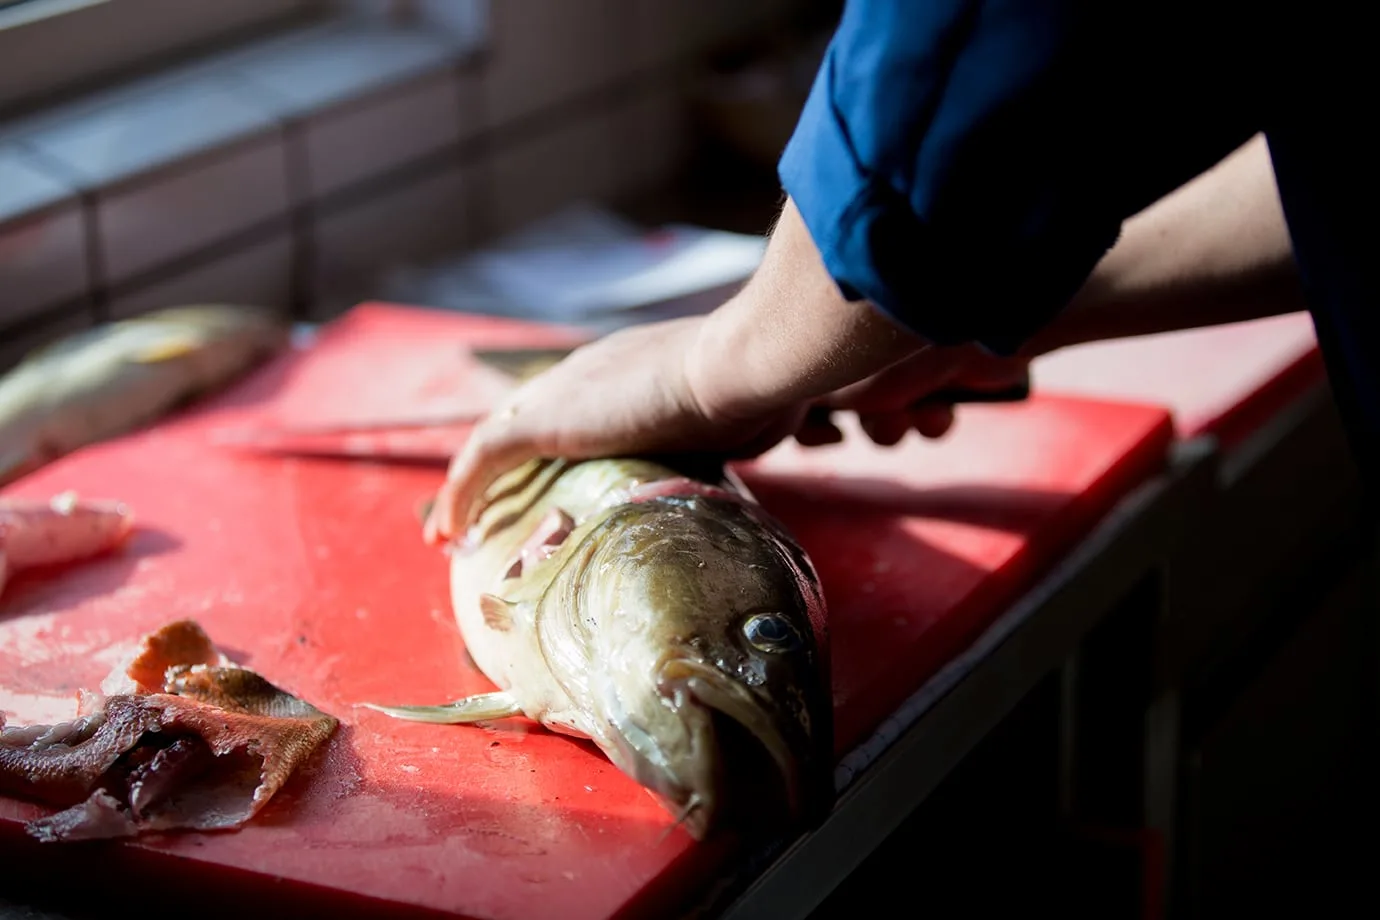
point(424, 508)
point(735, 483)
point(170, 348)
point(478, 708)
point(498, 613)
point(684, 815)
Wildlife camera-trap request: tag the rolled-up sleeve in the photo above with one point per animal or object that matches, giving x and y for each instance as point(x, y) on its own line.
point(964, 164)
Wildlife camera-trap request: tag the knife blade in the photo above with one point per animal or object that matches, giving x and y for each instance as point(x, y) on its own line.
point(433, 444)
point(435, 438)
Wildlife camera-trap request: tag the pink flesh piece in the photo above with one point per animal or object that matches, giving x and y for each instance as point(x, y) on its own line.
point(556, 526)
point(35, 533)
point(549, 534)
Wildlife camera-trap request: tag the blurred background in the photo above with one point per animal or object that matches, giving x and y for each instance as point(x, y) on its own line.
point(583, 160)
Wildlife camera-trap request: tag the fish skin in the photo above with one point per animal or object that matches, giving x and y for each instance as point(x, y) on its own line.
point(103, 382)
point(64, 529)
point(631, 631)
point(179, 739)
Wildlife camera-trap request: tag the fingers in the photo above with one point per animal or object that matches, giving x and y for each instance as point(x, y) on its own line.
point(932, 421)
point(816, 428)
point(886, 429)
point(818, 435)
point(494, 447)
point(892, 389)
point(889, 428)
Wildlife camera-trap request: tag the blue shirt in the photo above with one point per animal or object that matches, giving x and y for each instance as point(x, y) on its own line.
point(963, 164)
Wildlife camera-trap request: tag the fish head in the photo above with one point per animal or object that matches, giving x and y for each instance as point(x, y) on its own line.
point(707, 665)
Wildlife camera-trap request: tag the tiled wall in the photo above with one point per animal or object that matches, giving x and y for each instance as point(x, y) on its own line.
point(289, 171)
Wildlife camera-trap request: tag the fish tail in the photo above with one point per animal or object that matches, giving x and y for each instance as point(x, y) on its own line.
point(690, 806)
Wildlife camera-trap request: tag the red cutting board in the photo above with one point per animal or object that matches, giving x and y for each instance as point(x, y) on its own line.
point(314, 573)
point(1224, 380)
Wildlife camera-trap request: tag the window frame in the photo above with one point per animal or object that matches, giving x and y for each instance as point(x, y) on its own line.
point(48, 47)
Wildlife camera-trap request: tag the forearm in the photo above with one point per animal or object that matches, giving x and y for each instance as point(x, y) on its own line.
point(1214, 251)
point(789, 335)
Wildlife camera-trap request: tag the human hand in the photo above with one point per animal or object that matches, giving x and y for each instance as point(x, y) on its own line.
point(733, 382)
point(628, 393)
point(892, 402)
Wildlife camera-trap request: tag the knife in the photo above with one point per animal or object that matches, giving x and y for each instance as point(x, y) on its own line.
point(418, 439)
point(522, 363)
point(435, 439)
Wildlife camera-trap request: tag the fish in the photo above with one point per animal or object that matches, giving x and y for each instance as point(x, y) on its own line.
point(61, 530)
point(110, 379)
point(178, 737)
point(655, 608)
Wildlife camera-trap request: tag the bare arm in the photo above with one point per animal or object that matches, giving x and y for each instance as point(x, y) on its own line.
point(789, 335)
point(1216, 250)
point(740, 378)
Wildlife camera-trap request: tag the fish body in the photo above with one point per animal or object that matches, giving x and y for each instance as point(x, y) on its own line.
point(105, 381)
point(664, 616)
point(65, 529)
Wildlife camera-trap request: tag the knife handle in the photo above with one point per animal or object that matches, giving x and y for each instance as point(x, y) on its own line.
point(948, 396)
point(1017, 392)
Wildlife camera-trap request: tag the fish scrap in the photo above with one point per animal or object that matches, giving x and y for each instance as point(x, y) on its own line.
point(179, 738)
point(63, 529)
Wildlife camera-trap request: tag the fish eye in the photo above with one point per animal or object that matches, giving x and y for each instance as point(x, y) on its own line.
point(770, 632)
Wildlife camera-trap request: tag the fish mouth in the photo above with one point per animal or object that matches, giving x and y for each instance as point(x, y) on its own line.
point(745, 766)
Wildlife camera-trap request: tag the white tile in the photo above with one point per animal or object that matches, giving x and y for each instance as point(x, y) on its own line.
point(529, 179)
point(411, 223)
point(543, 53)
point(463, 21)
point(158, 220)
point(330, 64)
point(259, 274)
point(393, 128)
point(467, 20)
point(14, 346)
point(113, 135)
point(25, 187)
point(42, 261)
